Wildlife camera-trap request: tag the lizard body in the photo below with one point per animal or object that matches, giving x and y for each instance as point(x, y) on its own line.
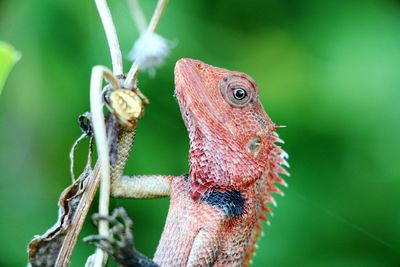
point(216, 210)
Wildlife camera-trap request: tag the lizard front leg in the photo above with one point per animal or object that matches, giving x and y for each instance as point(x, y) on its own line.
point(142, 186)
point(145, 186)
point(205, 249)
point(120, 245)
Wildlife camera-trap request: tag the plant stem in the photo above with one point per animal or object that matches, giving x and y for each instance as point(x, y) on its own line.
point(155, 19)
point(111, 35)
point(137, 15)
point(99, 127)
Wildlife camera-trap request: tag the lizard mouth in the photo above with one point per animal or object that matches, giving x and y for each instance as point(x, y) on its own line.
point(187, 117)
point(195, 100)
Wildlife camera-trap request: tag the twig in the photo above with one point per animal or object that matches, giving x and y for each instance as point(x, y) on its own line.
point(137, 15)
point(99, 127)
point(112, 39)
point(157, 15)
point(130, 78)
point(98, 117)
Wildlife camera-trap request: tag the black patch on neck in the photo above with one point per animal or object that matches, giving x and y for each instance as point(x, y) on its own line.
point(230, 202)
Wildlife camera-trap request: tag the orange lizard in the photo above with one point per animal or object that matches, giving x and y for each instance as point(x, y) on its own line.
point(216, 210)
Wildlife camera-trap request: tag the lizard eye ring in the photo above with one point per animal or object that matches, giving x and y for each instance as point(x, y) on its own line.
point(237, 90)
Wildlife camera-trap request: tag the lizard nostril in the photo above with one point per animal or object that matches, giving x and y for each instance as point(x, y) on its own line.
point(199, 66)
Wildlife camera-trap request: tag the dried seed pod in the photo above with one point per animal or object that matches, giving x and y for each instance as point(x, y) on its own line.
point(127, 106)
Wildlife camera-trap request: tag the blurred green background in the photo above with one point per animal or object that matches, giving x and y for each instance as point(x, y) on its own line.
point(329, 70)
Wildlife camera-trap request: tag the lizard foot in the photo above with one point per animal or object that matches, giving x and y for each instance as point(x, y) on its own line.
point(120, 244)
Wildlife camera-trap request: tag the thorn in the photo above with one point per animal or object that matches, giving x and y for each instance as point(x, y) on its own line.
point(277, 179)
point(284, 155)
point(278, 140)
point(267, 198)
point(266, 208)
point(279, 126)
point(285, 184)
point(285, 163)
point(263, 217)
point(281, 170)
point(273, 202)
point(275, 190)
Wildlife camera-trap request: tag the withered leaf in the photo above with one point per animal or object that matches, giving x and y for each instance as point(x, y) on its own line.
point(54, 247)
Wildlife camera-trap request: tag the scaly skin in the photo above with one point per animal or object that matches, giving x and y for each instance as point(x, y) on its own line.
point(216, 210)
point(199, 231)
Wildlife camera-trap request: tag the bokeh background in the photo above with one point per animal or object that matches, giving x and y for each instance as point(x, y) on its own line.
point(329, 70)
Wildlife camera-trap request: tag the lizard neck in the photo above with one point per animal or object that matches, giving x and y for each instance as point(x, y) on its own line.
point(219, 162)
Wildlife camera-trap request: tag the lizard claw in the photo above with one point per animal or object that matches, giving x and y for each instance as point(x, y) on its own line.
point(107, 244)
point(120, 244)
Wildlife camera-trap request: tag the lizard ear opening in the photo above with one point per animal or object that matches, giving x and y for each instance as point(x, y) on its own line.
point(237, 90)
point(253, 146)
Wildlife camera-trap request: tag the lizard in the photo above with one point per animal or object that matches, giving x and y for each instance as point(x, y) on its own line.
point(216, 210)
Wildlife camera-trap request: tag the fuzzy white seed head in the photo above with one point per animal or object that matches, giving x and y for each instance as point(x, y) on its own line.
point(150, 51)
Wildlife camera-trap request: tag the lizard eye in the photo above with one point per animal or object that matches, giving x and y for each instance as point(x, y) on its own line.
point(237, 90)
point(239, 93)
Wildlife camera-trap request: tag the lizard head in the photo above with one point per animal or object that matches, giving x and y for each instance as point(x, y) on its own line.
point(230, 134)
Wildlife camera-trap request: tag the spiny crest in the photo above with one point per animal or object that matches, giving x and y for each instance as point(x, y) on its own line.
point(275, 168)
